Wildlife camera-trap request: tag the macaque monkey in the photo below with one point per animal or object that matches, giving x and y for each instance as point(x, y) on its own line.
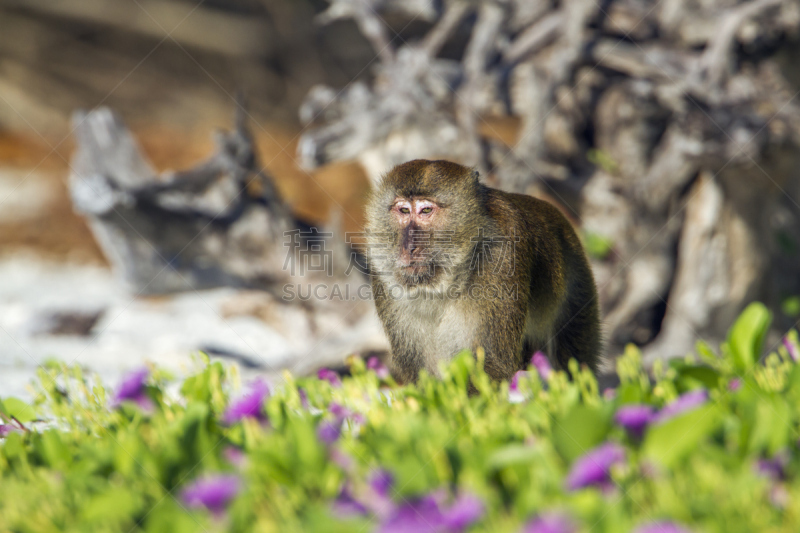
point(457, 265)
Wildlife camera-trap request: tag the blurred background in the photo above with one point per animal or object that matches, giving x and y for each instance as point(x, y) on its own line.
point(154, 153)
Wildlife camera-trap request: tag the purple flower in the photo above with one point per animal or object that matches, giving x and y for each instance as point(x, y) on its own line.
point(465, 510)
point(514, 394)
point(513, 386)
point(303, 397)
point(634, 418)
point(330, 376)
point(417, 516)
point(379, 500)
point(346, 505)
point(212, 492)
point(426, 515)
point(329, 432)
point(663, 526)
point(550, 523)
point(609, 394)
point(542, 364)
point(791, 348)
point(342, 459)
point(381, 482)
point(685, 402)
point(339, 411)
point(5, 429)
point(375, 364)
point(779, 496)
point(251, 405)
point(774, 468)
point(133, 389)
point(234, 456)
point(735, 384)
point(594, 468)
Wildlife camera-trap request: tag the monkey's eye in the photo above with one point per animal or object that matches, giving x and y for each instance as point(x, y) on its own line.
point(426, 210)
point(405, 210)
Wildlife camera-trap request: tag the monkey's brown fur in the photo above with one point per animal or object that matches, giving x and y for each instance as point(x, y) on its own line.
point(435, 234)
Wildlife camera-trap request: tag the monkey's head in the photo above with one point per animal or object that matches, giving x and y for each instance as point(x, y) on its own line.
point(423, 220)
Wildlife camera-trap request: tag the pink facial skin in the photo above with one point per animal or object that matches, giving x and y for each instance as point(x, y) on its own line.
point(415, 216)
point(419, 211)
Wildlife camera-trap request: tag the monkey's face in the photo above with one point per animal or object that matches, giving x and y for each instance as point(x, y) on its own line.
point(422, 220)
point(419, 249)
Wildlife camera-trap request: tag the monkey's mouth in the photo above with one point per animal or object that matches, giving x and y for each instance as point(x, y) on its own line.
point(417, 273)
point(415, 268)
point(415, 265)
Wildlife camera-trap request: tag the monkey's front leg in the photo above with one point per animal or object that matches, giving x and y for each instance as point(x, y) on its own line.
point(501, 336)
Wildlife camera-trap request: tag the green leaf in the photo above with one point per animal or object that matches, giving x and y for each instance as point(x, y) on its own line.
point(169, 516)
point(791, 306)
point(793, 383)
point(630, 393)
point(319, 520)
point(705, 353)
point(512, 455)
point(670, 441)
point(746, 337)
point(597, 245)
point(410, 476)
point(692, 376)
point(604, 160)
point(51, 449)
point(773, 425)
point(115, 505)
point(13, 447)
point(18, 409)
point(580, 430)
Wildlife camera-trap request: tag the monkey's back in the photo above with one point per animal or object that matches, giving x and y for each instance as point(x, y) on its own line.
point(563, 312)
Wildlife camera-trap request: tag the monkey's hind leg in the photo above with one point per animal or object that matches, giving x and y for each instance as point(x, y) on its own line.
point(578, 334)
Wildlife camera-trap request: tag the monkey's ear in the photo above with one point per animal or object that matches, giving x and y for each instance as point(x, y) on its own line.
point(474, 175)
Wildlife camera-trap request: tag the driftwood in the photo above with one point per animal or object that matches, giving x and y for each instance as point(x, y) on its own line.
point(175, 61)
point(644, 120)
point(218, 224)
point(223, 224)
